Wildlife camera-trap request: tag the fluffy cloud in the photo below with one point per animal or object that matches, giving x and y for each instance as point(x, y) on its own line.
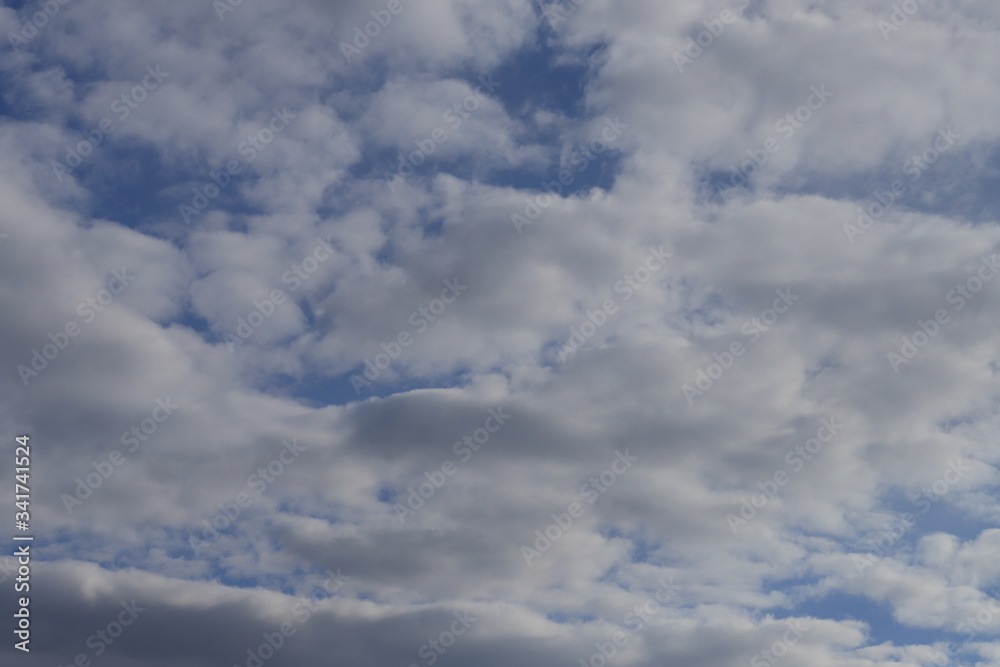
point(494, 332)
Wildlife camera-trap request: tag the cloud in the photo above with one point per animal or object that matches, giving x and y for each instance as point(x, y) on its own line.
point(339, 269)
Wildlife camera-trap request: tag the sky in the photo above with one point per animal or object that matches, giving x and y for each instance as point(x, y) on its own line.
point(403, 333)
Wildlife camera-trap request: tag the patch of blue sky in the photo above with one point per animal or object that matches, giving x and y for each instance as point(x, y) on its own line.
point(535, 78)
point(317, 390)
point(931, 513)
point(643, 550)
point(883, 627)
point(541, 77)
point(564, 618)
